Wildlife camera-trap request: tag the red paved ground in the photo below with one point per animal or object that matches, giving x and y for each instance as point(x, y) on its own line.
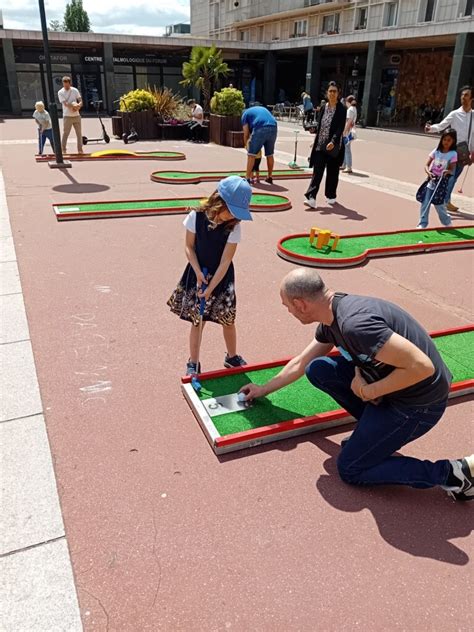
point(163, 534)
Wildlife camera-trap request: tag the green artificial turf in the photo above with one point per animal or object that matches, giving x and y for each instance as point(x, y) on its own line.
point(300, 399)
point(188, 175)
point(159, 154)
point(355, 246)
point(258, 199)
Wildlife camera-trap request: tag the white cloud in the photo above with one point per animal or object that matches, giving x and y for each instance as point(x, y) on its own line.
point(109, 16)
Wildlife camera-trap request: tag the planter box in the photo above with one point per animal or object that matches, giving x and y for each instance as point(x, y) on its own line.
point(166, 131)
point(220, 125)
point(144, 123)
point(235, 139)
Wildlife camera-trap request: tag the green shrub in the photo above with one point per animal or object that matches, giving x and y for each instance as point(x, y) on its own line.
point(137, 101)
point(228, 102)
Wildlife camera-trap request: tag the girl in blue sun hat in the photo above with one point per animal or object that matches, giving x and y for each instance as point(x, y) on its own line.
point(212, 234)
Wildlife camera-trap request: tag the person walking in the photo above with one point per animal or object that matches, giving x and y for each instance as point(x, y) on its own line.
point(260, 128)
point(71, 100)
point(308, 108)
point(462, 121)
point(348, 135)
point(327, 151)
point(389, 376)
point(45, 128)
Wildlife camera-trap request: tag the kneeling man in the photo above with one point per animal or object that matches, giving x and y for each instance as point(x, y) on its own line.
point(389, 376)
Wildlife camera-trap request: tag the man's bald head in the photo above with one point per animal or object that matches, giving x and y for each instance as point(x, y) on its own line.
point(303, 283)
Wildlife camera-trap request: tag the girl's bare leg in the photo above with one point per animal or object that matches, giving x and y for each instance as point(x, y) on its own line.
point(195, 339)
point(230, 337)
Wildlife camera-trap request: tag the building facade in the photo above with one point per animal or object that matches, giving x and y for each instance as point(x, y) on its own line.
point(394, 55)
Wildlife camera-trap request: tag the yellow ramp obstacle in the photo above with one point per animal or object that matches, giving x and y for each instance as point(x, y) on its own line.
point(323, 238)
point(113, 152)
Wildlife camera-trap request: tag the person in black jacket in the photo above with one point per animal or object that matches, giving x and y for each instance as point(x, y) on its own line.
point(327, 152)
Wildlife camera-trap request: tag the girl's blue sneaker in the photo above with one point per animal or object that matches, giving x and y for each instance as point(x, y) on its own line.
point(192, 368)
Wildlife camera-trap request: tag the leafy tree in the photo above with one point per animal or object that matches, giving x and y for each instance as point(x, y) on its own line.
point(204, 69)
point(76, 18)
point(56, 25)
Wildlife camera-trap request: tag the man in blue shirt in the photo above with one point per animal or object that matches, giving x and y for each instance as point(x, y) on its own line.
point(260, 130)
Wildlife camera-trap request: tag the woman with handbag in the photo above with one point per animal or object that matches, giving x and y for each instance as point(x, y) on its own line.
point(327, 153)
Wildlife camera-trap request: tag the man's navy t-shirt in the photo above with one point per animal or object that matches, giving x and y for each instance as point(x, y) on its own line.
point(366, 323)
point(258, 116)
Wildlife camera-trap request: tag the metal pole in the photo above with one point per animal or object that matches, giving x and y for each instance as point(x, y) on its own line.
point(52, 107)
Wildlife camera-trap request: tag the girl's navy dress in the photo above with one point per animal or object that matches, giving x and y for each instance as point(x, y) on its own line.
point(209, 246)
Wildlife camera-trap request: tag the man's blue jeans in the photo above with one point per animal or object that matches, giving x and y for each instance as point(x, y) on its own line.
point(381, 430)
point(452, 181)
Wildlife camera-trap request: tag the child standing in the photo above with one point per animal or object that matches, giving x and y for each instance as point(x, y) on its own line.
point(439, 168)
point(256, 168)
point(212, 235)
point(45, 128)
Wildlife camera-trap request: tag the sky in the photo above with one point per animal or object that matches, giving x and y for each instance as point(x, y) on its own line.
point(139, 17)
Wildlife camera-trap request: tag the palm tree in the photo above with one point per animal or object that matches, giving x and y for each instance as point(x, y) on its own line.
point(204, 68)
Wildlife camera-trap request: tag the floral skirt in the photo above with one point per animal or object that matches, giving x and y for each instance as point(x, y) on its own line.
point(220, 308)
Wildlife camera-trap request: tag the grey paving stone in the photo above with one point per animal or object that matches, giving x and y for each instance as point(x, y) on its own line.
point(20, 391)
point(37, 591)
point(9, 278)
point(13, 323)
point(30, 507)
point(7, 250)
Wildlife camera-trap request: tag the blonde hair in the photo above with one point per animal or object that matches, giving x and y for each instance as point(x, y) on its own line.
point(213, 206)
point(39, 105)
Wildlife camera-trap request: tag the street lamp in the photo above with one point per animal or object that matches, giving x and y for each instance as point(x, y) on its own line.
point(53, 110)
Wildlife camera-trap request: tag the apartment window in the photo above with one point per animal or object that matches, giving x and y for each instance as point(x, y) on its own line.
point(331, 23)
point(465, 8)
point(260, 34)
point(429, 10)
point(300, 28)
point(361, 18)
point(391, 14)
point(244, 36)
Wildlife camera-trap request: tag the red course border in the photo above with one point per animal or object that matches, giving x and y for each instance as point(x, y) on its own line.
point(88, 157)
point(206, 176)
point(345, 262)
point(253, 437)
point(175, 210)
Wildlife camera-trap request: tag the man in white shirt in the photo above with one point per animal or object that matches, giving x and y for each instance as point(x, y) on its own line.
point(462, 121)
point(349, 132)
point(197, 120)
point(71, 101)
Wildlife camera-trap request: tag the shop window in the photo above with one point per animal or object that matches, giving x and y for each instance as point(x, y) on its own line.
point(391, 14)
point(30, 88)
point(361, 18)
point(123, 83)
point(331, 24)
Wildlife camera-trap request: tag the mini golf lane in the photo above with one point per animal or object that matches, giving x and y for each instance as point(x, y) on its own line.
point(166, 206)
point(121, 154)
point(299, 408)
point(189, 177)
point(353, 250)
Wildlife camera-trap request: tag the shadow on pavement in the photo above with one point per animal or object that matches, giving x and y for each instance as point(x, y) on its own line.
point(418, 522)
point(339, 209)
point(79, 187)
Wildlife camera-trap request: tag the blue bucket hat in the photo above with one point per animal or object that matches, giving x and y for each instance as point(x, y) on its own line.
point(236, 193)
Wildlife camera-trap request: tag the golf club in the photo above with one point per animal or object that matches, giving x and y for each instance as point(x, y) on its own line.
point(194, 380)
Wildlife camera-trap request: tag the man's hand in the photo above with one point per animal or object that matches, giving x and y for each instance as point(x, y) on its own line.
point(359, 387)
point(330, 146)
point(252, 391)
point(427, 127)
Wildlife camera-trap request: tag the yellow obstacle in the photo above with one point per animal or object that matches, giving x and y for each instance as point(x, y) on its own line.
point(113, 152)
point(323, 237)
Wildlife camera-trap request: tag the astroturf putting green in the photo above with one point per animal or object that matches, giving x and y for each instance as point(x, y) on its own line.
point(119, 154)
point(168, 206)
point(298, 405)
point(189, 177)
point(355, 249)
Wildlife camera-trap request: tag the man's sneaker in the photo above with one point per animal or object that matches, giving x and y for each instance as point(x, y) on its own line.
point(311, 202)
point(269, 180)
point(192, 368)
point(331, 201)
point(234, 361)
point(462, 472)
